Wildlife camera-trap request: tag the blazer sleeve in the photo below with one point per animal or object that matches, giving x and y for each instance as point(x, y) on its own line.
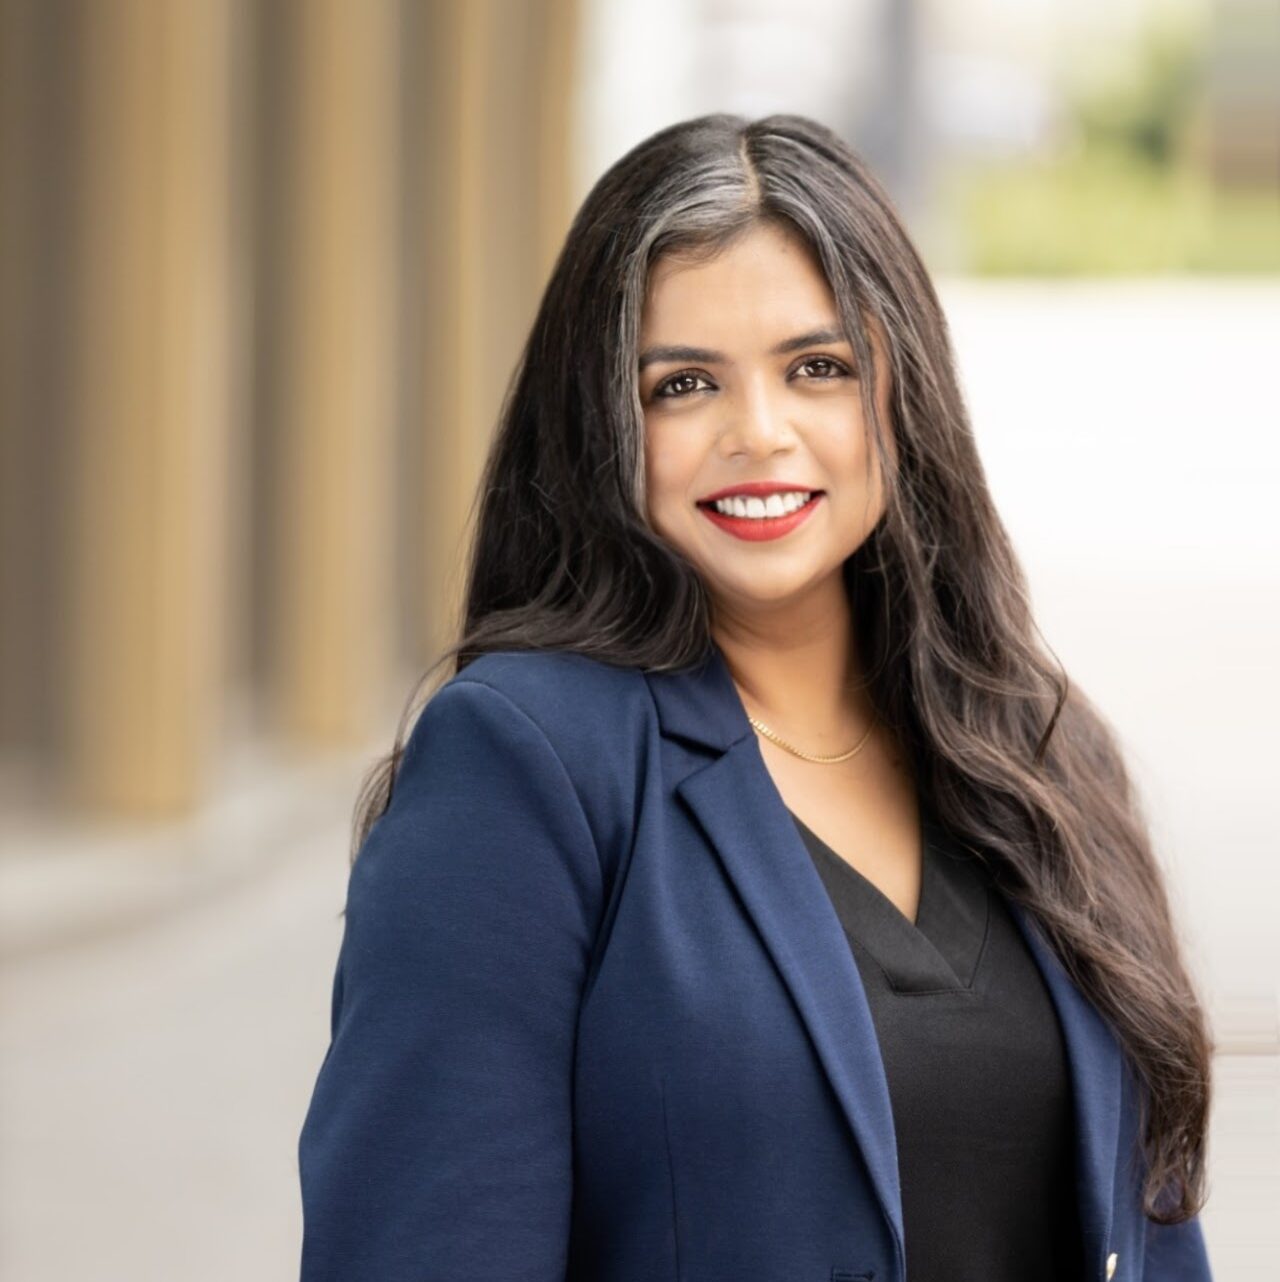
point(438, 1140)
point(1176, 1253)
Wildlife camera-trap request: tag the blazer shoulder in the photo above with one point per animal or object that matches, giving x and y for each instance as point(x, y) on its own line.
point(597, 716)
point(565, 693)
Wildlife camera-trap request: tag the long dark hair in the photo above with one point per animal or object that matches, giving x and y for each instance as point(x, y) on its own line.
point(1014, 757)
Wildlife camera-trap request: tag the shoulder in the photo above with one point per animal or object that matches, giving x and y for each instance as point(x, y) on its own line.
point(596, 717)
point(558, 689)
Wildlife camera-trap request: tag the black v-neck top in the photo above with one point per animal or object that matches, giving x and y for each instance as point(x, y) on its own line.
point(976, 1066)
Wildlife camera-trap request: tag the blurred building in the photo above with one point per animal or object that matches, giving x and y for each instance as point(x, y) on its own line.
point(250, 356)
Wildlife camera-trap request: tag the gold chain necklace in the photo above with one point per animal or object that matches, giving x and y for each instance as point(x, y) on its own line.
point(791, 748)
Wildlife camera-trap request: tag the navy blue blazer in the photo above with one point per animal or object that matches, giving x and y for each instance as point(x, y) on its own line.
point(594, 1016)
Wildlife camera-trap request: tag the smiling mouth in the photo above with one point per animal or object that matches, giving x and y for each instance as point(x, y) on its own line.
point(755, 520)
point(753, 507)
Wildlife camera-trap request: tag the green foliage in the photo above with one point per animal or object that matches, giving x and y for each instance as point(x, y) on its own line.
point(1100, 213)
point(1127, 195)
point(1147, 111)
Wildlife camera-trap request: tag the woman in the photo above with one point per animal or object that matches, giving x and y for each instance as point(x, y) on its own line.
point(755, 899)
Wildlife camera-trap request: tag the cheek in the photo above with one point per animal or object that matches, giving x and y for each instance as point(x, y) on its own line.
point(840, 450)
point(845, 444)
point(669, 475)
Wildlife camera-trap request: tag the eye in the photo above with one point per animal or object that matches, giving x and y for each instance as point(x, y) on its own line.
point(830, 362)
point(667, 390)
point(673, 381)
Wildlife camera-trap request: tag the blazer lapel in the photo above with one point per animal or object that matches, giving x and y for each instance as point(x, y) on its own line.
point(735, 801)
point(1096, 1063)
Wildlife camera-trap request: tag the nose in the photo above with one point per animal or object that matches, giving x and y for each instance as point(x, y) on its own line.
point(754, 423)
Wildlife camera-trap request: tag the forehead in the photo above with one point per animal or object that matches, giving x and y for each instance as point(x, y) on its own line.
point(768, 278)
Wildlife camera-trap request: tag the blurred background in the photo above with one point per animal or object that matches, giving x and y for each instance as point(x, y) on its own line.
point(265, 269)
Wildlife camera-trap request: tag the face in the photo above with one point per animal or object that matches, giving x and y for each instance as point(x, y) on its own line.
point(765, 395)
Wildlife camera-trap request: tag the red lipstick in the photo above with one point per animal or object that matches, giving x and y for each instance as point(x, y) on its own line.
point(758, 529)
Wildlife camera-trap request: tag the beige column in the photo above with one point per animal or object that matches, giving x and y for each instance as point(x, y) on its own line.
point(143, 624)
point(331, 596)
point(559, 32)
point(25, 316)
point(495, 147)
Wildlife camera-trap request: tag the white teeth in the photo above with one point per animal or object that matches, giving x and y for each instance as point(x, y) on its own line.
point(774, 505)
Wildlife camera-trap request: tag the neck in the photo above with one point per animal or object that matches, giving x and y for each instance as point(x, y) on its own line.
point(797, 668)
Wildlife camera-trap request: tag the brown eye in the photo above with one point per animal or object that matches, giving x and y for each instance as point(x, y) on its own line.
point(684, 377)
point(839, 368)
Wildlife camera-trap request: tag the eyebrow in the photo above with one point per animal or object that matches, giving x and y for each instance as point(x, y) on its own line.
point(812, 338)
